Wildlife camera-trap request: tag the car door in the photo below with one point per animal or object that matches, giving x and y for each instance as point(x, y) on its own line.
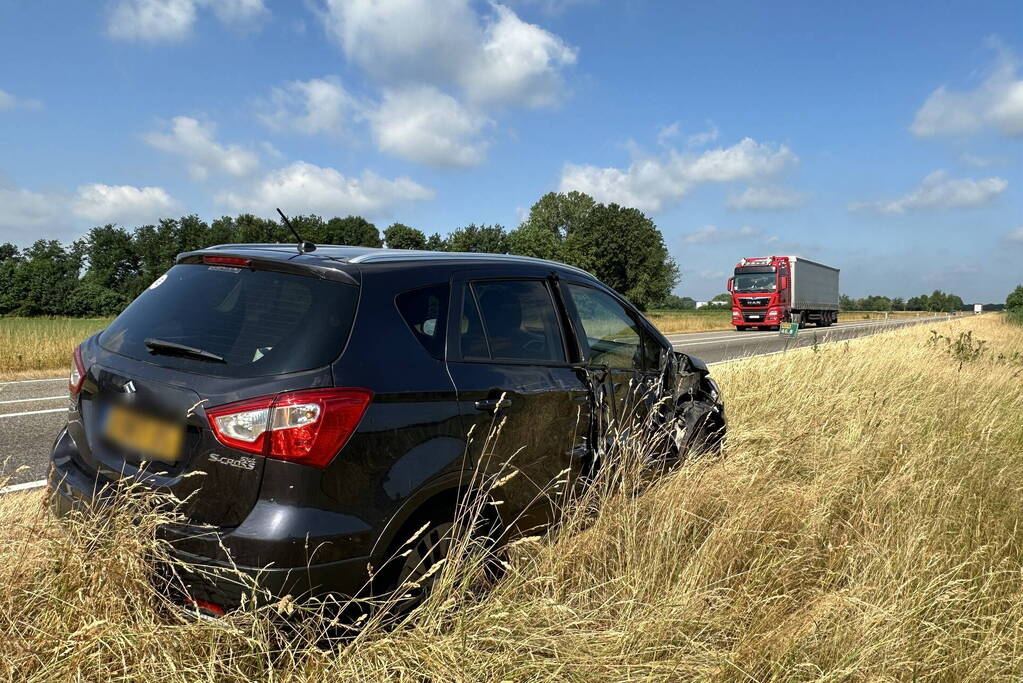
point(623, 358)
point(525, 402)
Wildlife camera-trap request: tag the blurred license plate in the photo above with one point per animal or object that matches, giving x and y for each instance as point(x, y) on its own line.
point(158, 439)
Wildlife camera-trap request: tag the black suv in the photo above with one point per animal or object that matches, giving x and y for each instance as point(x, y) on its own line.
point(325, 399)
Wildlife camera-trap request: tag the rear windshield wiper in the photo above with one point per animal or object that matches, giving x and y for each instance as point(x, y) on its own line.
point(173, 348)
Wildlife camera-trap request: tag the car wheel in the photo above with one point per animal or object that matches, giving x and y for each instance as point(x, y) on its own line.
point(411, 573)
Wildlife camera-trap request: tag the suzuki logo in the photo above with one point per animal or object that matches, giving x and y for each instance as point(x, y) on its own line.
point(129, 387)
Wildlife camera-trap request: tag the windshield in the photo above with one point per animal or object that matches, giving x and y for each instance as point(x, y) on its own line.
point(250, 322)
point(755, 282)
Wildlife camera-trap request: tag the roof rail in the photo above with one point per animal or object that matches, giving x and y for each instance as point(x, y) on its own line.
point(385, 255)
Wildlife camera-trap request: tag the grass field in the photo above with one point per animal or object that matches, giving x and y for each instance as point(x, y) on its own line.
point(863, 523)
point(39, 347)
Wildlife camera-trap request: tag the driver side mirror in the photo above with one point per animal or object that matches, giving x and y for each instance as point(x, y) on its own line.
point(728, 285)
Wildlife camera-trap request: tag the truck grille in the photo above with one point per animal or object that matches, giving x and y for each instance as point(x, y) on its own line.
point(754, 301)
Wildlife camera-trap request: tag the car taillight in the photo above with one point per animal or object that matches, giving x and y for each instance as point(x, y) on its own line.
point(77, 376)
point(307, 427)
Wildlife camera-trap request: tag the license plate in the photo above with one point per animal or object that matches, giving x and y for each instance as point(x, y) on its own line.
point(754, 317)
point(152, 437)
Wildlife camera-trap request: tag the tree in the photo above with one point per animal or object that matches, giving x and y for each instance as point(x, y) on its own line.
point(1014, 302)
point(673, 302)
point(43, 281)
point(846, 303)
point(551, 221)
point(352, 230)
point(436, 243)
point(723, 300)
point(898, 304)
point(401, 236)
point(479, 239)
point(625, 250)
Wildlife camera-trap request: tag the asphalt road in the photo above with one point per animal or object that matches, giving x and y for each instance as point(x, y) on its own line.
point(33, 411)
point(718, 347)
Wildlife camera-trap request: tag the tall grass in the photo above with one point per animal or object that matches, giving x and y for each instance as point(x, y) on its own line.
point(861, 523)
point(38, 347)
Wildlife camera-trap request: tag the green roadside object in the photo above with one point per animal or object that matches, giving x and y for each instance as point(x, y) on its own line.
point(788, 329)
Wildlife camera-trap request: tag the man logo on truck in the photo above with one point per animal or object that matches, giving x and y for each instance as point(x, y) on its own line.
point(770, 290)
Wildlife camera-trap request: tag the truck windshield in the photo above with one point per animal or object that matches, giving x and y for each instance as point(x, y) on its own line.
point(754, 282)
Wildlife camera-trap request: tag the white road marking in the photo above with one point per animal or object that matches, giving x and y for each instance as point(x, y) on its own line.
point(26, 381)
point(39, 483)
point(26, 400)
point(34, 412)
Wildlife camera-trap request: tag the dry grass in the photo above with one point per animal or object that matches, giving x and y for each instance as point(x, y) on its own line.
point(40, 347)
point(675, 322)
point(863, 523)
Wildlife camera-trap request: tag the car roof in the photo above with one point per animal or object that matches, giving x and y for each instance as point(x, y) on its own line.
point(328, 255)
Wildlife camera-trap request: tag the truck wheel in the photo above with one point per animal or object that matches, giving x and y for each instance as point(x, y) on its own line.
point(740, 328)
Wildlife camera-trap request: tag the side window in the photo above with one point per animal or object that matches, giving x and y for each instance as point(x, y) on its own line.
point(425, 312)
point(652, 350)
point(613, 337)
point(519, 320)
point(471, 341)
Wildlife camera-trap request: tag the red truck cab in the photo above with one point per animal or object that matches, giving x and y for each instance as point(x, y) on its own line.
point(764, 292)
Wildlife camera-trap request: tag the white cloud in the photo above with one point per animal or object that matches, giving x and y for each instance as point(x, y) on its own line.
point(425, 125)
point(519, 63)
point(704, 137)
point(122, 203)
point(303, 188)
point(151, 20)
point(194, 141)
point(938, 191)
point(649, 183)
point(668, 133)
point(25, 213)
point(9, 101)
point(319, 105)
point(168, 21)
point(977, 161)
point(711, 234)
point(1015, 235)
point(494, 59)
point(997, 102)
point(242, 14)
point(767, 198)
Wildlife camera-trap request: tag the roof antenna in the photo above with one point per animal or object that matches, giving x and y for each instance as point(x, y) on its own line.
point(304, 247)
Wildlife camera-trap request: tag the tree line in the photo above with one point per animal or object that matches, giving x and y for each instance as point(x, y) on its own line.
point(937, 301)
point(102, 272)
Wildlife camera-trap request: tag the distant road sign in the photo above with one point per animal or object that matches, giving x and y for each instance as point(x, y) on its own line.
point(788, 329)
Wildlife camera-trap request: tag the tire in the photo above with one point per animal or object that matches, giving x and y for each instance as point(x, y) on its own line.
point(409, 575)
point(411, 563)
point(740, 328)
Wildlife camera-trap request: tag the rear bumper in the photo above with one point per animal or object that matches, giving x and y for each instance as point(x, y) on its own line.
point(212, 562)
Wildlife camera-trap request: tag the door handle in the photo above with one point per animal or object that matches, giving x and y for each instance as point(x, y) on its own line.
point(494, 404)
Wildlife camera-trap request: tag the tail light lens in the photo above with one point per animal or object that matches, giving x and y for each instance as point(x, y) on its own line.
point(77, 376)
point(307, 427)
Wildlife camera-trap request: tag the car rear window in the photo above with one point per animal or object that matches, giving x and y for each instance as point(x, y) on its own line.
point(260, 322)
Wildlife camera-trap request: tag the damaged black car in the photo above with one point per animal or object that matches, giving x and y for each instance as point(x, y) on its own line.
point(313, 411)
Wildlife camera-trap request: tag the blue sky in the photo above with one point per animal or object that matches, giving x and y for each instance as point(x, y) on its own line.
point(883, 138)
